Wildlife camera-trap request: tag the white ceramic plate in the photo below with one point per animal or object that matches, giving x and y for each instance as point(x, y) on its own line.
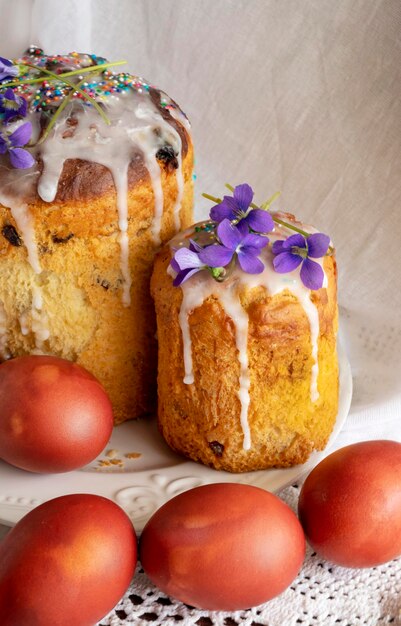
point(141, 484)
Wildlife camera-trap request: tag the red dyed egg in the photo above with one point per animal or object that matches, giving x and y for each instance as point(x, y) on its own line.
point(223, 547)
point(350, 504)
point(66, 563)
point(54, 415)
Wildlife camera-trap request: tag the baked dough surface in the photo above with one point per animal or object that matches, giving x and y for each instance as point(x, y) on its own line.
point(202, 420)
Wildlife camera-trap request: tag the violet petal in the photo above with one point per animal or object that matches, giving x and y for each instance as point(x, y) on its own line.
point(260, 221)
point(184, 275)
point(243, 195)
point(216, 255)
point(9, 114)
point(278, 246)
point(195, 247)
point(250, 263)
point(286, 262)
point(224, 210)
point(21, 159)
point(7, 69)
point(22, 135)
point(242, 228)
point(318, 244)
point(9, 94)
point(256, 241)
point(175, 265)
point(311, 274)
point(229, 235)
point(8, 64)
point(187, 259)
point(296, 240)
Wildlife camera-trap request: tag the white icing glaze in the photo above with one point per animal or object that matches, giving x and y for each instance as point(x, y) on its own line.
point(233, 308)
point(192, 297)
point(120, 177)
point(180, 190)
point(155, 177)
point(180, 117)
point(23, 322)
point(136, 125)
point(147, 111)
point(201, 286)
point(25, 225)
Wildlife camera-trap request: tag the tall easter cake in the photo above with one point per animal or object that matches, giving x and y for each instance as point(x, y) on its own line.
point(246, 306)
point(95, 174)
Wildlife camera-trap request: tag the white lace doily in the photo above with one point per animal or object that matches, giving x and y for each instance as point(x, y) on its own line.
point(321, 595)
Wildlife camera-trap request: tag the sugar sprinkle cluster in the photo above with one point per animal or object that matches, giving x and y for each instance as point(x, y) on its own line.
point(45, 84)
point(49, 93)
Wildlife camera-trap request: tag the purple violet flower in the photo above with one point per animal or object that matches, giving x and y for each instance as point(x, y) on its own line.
point(7, 69)
point(297, 249)
point(238, 208)
point(186, 263)
point(12, 143)
point(235, 240)
point(12, 105)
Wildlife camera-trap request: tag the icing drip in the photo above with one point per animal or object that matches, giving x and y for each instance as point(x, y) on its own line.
point(232, 306)
point(121, 184)
point(176, 113)
point(136, 125)
point(155, 176)
point(25, 225)
point(191, 299)
point(180, 191)
point(148, 112)
point(39, 319)
point(154, 172)
point(195, 292)
point(202, 285)
point(180, 117)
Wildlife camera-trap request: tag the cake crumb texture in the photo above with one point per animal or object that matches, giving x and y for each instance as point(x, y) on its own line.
point(81, 283)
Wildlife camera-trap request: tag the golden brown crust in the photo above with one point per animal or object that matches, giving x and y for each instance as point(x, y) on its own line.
point(81, 281)
point(202, 420)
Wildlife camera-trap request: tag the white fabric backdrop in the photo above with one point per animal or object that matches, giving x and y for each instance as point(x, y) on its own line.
point(290, 95)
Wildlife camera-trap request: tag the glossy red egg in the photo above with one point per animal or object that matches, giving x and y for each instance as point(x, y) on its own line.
point(66, 563)
point(350, 504)
point(223, 547)
point(54, 415)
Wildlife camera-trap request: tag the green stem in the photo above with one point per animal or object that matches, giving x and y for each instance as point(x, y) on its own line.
point(212, 198)
point(266, 205)
point(60, 109)
point(91, 68)
point(75, 87)
point(82, 70)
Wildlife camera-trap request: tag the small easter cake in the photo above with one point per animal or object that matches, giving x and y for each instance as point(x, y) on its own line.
point(95, 174)
point(246, 307)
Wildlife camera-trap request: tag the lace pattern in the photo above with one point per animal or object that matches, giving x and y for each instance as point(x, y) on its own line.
point(322, 595)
